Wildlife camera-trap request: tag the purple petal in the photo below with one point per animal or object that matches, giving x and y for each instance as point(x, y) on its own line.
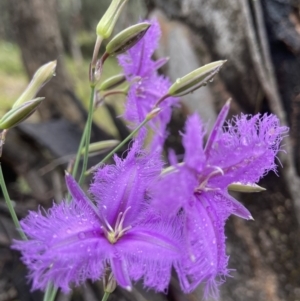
point(247, 150)
point(160, 62)
point(142, 97)
point(78, 194)
point(65, 246)
point(217, 128)
point(146, 86)
point(232, 205)
point(205, 260)
point(120, 271)
point(138, 60)
point(194, 156)
point(122, 187)
point(174, 191)
point(150, 250)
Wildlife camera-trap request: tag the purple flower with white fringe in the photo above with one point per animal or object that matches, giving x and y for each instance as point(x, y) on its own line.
point(80, 240)
point(242, 151)
point(146, 85)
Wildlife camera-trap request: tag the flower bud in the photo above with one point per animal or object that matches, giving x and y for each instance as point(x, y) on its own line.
point(196, 79)
point(108, 21)
point(127, 38)
point(153, 113)
point(109, 283)
point(112, 82)
point(101, 146)
point(20, 113)
point(239, 187)
point(40, 78)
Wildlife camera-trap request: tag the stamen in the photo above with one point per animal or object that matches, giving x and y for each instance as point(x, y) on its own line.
point(203, 185)
point(114, 234)
point(118, 219)
point(108, 225)
point(119, 227)
point(124, 230)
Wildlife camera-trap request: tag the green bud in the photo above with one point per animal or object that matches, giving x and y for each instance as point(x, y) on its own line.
point(153, 113)
point(196, 79)
point(239, 187)
point(20, 113)
point(40, 78)
point(112, 82)
point(101, 146)
point(108, 21)
point(109, 283)
point(127, 38)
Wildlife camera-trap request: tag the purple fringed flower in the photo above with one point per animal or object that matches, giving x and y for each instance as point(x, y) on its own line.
point(82, 240)
point(146, 85)
point(242, 151)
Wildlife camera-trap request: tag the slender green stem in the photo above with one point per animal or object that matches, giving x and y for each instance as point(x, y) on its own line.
point(50, 293)
point(53, 294)
point(88, 135)
point(78, 155)
point(119, 146)
point(47, 292)
point(10, 205)
point(105, 296)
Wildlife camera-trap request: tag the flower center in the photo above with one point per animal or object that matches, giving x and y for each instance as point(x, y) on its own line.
point(114, 234)
point(203, 187)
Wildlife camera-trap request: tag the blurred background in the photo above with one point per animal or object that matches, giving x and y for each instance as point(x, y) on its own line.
point(261, 41)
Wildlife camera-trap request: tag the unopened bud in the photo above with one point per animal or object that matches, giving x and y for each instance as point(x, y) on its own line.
point(127, 38)
point(196, 79)
point(108, 21)
point(20, 113)
point(109, 283)
point(101, 146)
point(239, 187)
point(40, 78)
point(112, 82)
point(153, 113)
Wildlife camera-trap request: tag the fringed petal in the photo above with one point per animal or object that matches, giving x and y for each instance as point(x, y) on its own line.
point(205, 259)
point(65, 246)
point(138, 59)
point(120, 269)
point(150, 251)
point(194, 156)
point(174, 191)
point(246, 150)
point(122, 187)
point(147, 86)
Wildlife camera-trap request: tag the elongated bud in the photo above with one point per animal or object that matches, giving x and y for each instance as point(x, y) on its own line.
point(101, 146)
point(127, 38)
point(40, 78)
point(20, 113)
point(112, 82)
point(109, 283)
point(108, 21)
point(239, 187)
point(196, 79)
point(153, 113)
